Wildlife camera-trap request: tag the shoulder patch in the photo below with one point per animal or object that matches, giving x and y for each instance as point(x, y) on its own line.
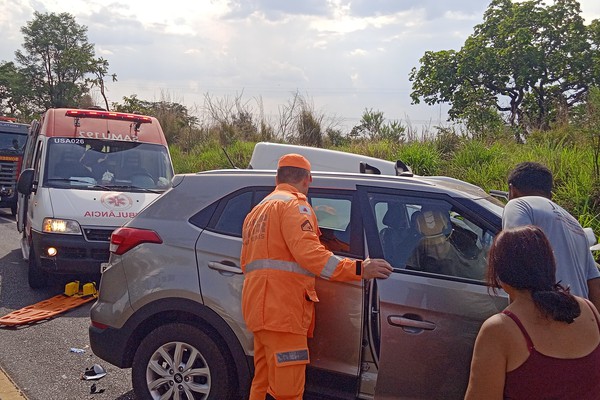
point(307, 226)
point(304, 209)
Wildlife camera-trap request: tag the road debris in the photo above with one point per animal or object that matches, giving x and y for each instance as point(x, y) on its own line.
point(94, 372)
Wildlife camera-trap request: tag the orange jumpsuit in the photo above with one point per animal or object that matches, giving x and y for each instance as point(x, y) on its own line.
point(281, 256)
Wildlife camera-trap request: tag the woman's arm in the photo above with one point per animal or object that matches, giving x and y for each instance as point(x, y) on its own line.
point(488, 366)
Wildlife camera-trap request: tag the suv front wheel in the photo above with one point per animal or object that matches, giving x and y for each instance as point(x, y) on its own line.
point(179, 361)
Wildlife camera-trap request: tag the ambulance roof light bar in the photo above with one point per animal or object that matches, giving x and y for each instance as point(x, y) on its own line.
point(137, 119)
point(7, 119)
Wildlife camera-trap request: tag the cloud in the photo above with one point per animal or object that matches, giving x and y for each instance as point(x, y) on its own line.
point(346, 55)
point(277, 9)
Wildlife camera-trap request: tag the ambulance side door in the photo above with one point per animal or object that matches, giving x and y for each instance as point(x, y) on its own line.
point(28, 162)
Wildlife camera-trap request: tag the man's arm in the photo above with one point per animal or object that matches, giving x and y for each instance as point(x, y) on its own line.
point(594, 291)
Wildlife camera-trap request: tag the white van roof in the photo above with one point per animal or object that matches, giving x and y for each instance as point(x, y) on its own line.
point(266, 155)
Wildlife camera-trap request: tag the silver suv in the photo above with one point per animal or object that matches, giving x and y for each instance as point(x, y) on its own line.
point(169, 304)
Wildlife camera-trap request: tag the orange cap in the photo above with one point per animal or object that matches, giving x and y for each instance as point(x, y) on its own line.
point(294, 160)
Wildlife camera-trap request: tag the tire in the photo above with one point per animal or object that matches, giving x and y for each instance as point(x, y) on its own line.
point(202, 373)
point(37, 277)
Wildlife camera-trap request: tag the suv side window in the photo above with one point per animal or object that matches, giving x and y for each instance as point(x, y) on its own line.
point(430, 236)
point(227, 215)
point(333, 213)
point(235, 209)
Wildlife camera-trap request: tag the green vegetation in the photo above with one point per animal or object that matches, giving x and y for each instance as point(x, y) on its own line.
point(528, 62)
point(56, 68)
point(484, 164)
point(523, 87)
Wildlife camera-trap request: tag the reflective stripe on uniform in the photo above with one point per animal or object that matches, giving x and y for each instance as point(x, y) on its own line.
point(278, 196)
point(287, 266)
point(291, 356)
point(330, 267)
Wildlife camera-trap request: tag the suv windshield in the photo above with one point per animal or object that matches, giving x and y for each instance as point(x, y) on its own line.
point(107, 165)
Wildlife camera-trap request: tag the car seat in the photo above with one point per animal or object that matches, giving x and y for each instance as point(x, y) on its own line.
point(437, 251)
point(69, 166)
point(142, 180)
point(432, 223)
point(398, 237)
point(133, 171)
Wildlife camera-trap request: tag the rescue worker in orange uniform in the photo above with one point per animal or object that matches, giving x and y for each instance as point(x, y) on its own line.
point(281, 256)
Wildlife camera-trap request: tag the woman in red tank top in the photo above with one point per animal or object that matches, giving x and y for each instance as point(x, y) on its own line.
point(546, 343)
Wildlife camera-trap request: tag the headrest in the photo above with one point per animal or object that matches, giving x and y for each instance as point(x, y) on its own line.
point(432, 222)
point(394, 217)
point(72, 154)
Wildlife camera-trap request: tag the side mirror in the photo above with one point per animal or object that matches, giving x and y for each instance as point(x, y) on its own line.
point(25, 182)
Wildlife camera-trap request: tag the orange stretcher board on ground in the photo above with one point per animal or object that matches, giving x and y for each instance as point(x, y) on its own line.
point(44, 309)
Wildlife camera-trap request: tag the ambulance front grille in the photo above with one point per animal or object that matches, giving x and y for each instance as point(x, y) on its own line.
point(97, 234)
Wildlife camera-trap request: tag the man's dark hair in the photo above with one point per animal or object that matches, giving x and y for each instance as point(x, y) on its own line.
point(531, 178)
point(291, 174)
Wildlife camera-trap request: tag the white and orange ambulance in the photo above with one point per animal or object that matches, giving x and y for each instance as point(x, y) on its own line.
point(86, 172)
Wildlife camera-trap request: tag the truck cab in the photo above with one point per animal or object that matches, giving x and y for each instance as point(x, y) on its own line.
point(86, 172)
point(13, 137)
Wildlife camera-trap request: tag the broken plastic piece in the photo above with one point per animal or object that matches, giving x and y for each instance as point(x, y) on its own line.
point(94, 372)
point(95, 390)
point(76, 350)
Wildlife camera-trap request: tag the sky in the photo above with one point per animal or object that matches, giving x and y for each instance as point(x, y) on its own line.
point(342, 56)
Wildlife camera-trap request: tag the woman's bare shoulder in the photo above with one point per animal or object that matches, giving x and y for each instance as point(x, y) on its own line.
point(499, 327)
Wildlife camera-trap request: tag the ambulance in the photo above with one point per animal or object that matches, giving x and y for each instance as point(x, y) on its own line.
point(86, 173)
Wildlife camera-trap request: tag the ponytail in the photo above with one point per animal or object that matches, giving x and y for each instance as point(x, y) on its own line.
point(557, 303)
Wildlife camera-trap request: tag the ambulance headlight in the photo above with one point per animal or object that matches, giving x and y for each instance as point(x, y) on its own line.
point(66, 226)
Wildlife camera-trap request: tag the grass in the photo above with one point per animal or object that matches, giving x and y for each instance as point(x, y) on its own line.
point(485, 165)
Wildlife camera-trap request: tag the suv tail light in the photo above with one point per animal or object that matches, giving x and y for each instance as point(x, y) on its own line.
point(124, 239)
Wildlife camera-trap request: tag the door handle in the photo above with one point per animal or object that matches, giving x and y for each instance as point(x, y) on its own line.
point(225, 266)
point(397, 320)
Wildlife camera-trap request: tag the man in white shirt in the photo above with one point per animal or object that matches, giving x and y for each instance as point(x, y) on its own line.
point(530, 193)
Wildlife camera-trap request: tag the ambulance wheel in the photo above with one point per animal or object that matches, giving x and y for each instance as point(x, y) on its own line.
point(37, 277)
point(180, 361)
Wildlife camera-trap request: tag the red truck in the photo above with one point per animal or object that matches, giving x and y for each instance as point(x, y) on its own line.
point(13, 137)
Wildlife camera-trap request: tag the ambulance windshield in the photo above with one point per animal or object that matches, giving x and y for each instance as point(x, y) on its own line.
point(107, 165)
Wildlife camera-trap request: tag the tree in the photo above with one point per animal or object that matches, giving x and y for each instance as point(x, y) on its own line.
point(13, 91)
point(526, 61)
point(57, 61)
point(372, 125)
point(174, 118)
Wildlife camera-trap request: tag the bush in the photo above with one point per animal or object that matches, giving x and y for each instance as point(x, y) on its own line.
point(421, 157)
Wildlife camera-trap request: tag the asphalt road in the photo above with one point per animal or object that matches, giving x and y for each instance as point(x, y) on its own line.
point(37, 357)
